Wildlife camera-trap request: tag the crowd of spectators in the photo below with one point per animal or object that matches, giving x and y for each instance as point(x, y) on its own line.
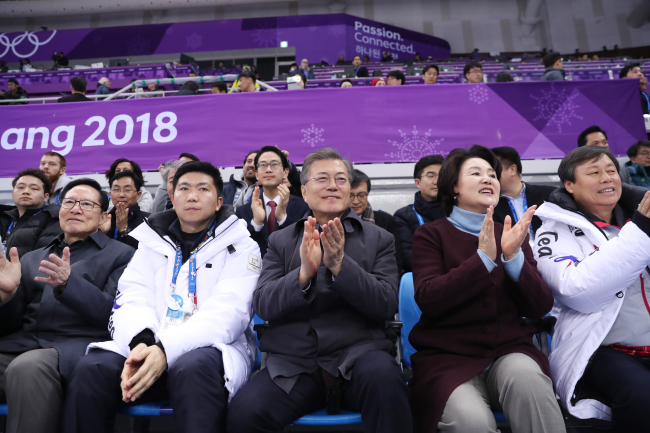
point(117, 297)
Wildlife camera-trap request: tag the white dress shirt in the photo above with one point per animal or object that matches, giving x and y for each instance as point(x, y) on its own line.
point(266, 201)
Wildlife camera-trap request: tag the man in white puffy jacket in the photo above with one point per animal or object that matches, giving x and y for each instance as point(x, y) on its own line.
point(593, 251)
point(180, 322)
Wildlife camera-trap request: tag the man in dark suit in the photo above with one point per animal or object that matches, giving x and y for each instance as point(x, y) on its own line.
point(272, 207)
point(126, 214)
point(55, 301)
point(78, 89)
point(327, 287)
point(516, 196)
point(359, 71)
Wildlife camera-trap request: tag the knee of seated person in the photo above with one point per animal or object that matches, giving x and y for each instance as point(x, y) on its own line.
point(468, 419)
point(245, 412)
point(23, 366)
point(194, 361)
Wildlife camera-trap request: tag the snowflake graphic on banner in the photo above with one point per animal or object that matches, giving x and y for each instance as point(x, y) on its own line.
point(194, 41)
point(265, 37)
point(336, 31)
point(478, 94)
point(555, 107)
point(138, 45)
point(312, 135)
point(415, 146)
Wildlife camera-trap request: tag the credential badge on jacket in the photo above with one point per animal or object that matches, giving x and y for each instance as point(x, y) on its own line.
point(254, 263)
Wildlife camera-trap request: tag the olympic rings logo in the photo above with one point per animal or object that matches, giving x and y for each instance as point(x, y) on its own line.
point(31, 37)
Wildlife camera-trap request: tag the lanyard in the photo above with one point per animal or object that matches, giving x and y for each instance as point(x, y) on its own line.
point(57, 198)
point(357, 71)
point(11, 226)
point(512, 208)
point(420, 219)
point(192, 264)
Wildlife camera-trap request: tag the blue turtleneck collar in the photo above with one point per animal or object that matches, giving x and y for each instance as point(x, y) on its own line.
point(466, 221)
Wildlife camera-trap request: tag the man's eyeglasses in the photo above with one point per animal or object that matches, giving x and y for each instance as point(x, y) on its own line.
point(360, 196)
point(430, 175)
point(644, 154)
point(475, 71)
point(325, 180)
point(263, 165)
point(125, 190)
point(87, 205)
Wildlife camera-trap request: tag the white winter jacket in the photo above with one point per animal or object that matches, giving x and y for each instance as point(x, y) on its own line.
point(224, 294)
point(589, 276)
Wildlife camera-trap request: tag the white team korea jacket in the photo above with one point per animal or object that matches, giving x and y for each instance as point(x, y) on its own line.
point(224, 295)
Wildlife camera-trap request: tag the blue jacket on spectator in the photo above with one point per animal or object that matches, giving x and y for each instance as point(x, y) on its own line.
point(309, 74)
point(638, 174)
point(553, 74)
point(102, 90)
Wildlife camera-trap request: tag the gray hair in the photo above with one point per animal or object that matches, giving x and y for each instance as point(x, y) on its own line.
point(324, 154)
point(170, 166)
point(567, 169)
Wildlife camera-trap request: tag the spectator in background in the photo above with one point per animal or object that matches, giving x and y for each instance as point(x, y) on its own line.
point(239, 189)
point(430, 74)
point(189, 88)
point(387, 57)
point(192, 74)
point(126, 215)
point(366, 59)
point(188, 157)
point(378, 82)
point(53, 164)
point(474, 54)
point(304, 65)
point(639, 164)
point(345, 83)
point(396, 78)
point(473, 72)
point(359, 192)
point(293, 67)
point(62, 60)
point(219, 87)
point(78, 89)
point(417, 57)
point(359, 71)
point(303, 80)
point(595, 136)
point(247, 81)
point(340, 61)
point(165, 192)
point(516, 196)
point(145, 200)
point(425, 207)
point(327, 296)
point(153, 87)
point(633, 70)
point(554, 68)
point(595, 58)
point(504, 77)
point(55, 302)
point(31, 224)
point(14, 94)
point(103, 86)
point(25, 65)
point(271, 207)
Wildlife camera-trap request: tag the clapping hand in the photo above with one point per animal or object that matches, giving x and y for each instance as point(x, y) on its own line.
point(106, 225)
point(513, 236)
point(257, 206)
point(121, 217)
point(486, 242)
point(644, 206)
point(333, 240)
point(310, 253)
point(58, 270)
point(281, 209)
point(10, 273)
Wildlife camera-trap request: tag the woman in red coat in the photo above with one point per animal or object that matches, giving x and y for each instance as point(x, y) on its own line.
point(474, 281)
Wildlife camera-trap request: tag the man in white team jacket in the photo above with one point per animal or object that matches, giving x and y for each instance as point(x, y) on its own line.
point(180, 322)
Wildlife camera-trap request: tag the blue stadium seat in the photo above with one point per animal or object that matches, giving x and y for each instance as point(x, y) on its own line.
point(3, 410)
point(409, 314)
point(320, 417)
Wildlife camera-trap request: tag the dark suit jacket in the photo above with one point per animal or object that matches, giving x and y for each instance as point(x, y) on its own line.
point(347, 313)
point(136, 217)
point(296, 209)
point(535, 195)
point(40, 317)
point(362, 72)
point(75, 97)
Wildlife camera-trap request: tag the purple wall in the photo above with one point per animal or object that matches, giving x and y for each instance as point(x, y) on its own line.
point(316, 37)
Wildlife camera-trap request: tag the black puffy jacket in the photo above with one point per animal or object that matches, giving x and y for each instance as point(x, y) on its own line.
point(35, 229)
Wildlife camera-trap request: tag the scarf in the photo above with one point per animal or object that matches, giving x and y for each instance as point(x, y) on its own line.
point(368, 215)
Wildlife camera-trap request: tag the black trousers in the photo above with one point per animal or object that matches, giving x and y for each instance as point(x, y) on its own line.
point(195, 385)
point(625, 382)
point(376, 389)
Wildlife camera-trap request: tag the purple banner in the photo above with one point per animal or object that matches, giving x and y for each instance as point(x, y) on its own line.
point(316, 37)
point(367, 124)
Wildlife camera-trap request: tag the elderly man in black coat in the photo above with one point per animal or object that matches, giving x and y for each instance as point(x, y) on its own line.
point(54, 301)
point(328, 285)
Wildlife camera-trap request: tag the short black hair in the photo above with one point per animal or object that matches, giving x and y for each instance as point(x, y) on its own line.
point(582, 138)
point(190, 85)
point(136, 169)
point(510, 154)
point(469, 65)
point(12, 80)
point(633, 150)
point(360, 177)
point(424, 162)
point(567, 169)
point(282, 156)
point(126, 173)
point(40, 175)
point(188, 155)
point(426, 68)
point(223, 87)
point(302, 77)
point(551, 58)
point(79, 84)
point(398, 76)
point(249, 74)
point(200, 167)
point(103, 197)
point(346, 80)
point(504, 77)
point(450, 171)
point(627, 69)
point(293, 64)
point(356, 55)
point(249, 154)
